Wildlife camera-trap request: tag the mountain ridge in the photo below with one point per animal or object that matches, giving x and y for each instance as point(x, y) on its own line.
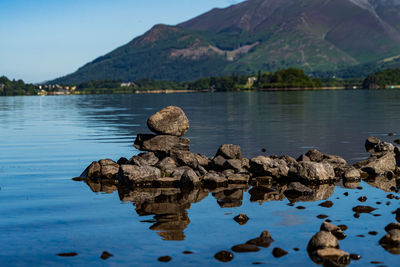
point(314, 35)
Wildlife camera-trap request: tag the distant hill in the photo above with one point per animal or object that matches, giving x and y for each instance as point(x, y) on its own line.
point(318, 36)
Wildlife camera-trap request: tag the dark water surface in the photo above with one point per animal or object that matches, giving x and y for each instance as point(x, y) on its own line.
point(45, 141)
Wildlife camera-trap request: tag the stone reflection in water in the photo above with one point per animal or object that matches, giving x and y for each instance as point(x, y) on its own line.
point(168, 205)
point(230, 197)
point(384, 183)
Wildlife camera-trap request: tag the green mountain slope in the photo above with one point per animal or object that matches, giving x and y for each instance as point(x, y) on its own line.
point(315, 35)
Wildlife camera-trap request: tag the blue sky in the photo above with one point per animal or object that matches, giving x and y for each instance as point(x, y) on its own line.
point(45, 39)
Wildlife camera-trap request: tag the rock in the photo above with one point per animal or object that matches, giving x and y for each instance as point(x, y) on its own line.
point(214, 180)
point(315, 155)
point(245, 248)
point(392, 226)
point(326, 204)
point(246, 163)
point(241, 219)
point(170, 120)
point(179, 171)
point(234, 164)
point(92, 171)
point(278, 252)
point(109, 169)
point(333, 229)
point(267, 166)
point(371, 142)
point(122, 160)
point(314, 172)
point(363, 209)
point(166, 165)
point(105, 255)
point(190, 178)
point(144, 159)
point(303, 158)
point(296, 189)
point(351, 174)
point(264, 240)
point(391, 241)
point(67, 254)
point(133, 175)
point(337, 256)
point(229, 151)
point(380, 164)
point(218, 163)
point(224, 256)
point(383, 147)
point(161, 143)
point(383, 183)
point(238, 178)
point(165, 259)
point(187, 158)
point(321, 240)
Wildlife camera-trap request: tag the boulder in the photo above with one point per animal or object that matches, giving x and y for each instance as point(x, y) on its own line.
point(377, 165)
point(170, 121)
point(135, 175)
point(237, 178)
point(144, 159)
point(371, 142)
point(189, 178)
point(268, 166)
point(333, 229)
point(214, 180)
point(167, 164)
point(161, 143)
point(391, 241)
point(218, 163)
point(92, 171)
point(109, 169)
point(187, 158)
point(229, 151)
point(314, 172)
point(392, 226)
point(234, 164)
point(321, 240)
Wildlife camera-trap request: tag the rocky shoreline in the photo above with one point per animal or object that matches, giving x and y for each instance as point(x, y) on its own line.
point(167, 164)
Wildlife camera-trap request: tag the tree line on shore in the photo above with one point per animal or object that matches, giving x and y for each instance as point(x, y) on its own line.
point(282, 79)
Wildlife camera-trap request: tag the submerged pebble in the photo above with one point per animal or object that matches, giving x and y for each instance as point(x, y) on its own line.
point(187, 252)
point(67, 254)
point(355, 257)
point(241, 248)
point(363, 209)
point(224, 256)
point(105, 255)
point(165, 259)
point(322, 216)
point(326, 204)
point(362, 199)
point(300, 207)
point(278, 252)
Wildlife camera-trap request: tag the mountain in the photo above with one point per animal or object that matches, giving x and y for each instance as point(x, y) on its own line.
point(315, 35)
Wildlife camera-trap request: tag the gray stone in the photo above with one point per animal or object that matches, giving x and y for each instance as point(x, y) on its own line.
point(321, 240)
point(314, 172)
point(134, 175)
point(237, 178)
point(190, 178)
point(161, 143)
point(144, 159)
point(264, 240)
point(335, 230)
point(109, 169)
point(218, 162)
point(229, 151)
point(380, 164)
point(267, 166)
point(391, 238)
point(214, 180)
point(234, 164)
point(371, 142)
point(92, 171)
point(352, 174)
point(179, 171)
point(303, 157)
point(166, 164)
point(187, 158)
point(170, 120)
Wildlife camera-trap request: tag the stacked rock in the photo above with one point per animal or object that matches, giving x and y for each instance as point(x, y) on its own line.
point(168, 124)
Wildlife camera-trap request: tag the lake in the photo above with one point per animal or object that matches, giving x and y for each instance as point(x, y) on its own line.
point(46, 141)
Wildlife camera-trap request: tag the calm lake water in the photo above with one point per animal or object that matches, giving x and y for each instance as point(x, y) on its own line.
point(46, 141)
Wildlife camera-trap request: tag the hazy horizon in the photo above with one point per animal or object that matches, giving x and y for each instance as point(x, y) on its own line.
point(43, 40)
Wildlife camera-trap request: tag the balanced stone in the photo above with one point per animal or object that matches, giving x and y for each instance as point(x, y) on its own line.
point(170, 120)
point(161, 143)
